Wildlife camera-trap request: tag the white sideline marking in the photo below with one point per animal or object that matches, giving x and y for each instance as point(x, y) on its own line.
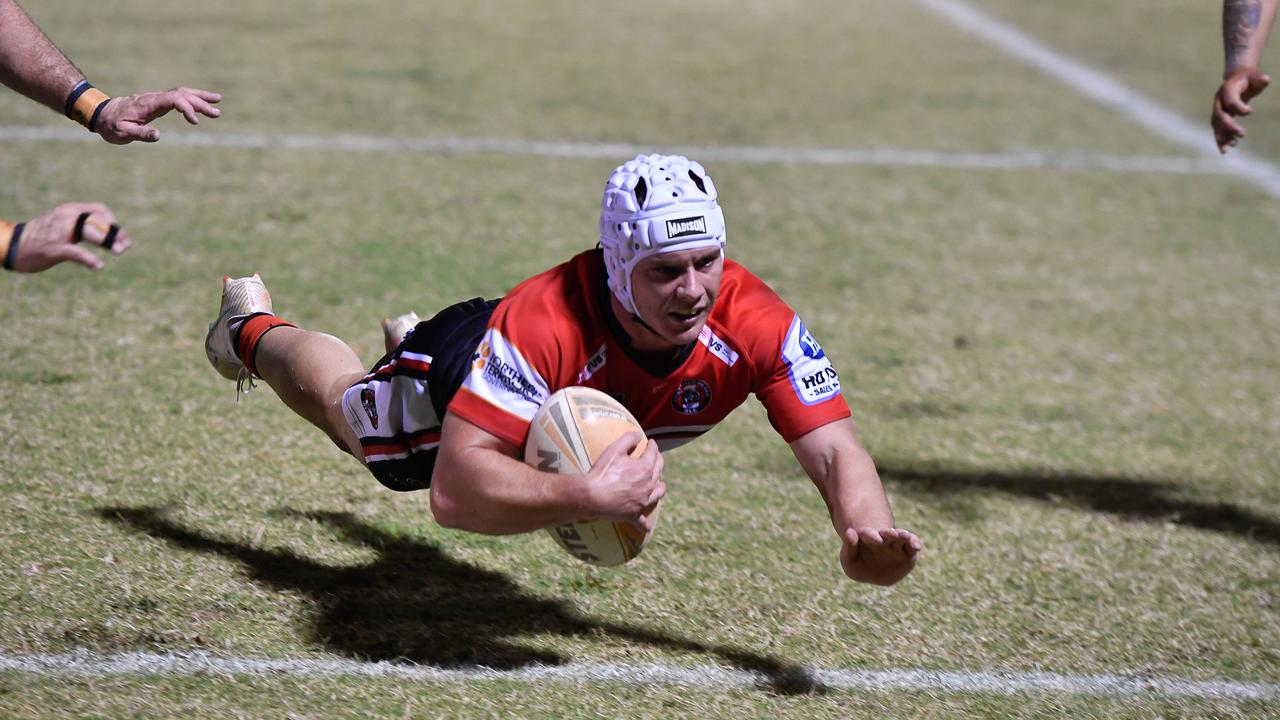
point(1106, 90)
point(88, 664)
point(614, 151)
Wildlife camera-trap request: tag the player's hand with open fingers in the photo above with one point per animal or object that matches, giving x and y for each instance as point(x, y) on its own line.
point(881, 556)
point(125, 119)
point(63, 234)
point(1231, 101)
point(625, 487)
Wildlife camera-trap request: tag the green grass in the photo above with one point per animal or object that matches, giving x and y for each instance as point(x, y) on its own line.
point(1068, 379)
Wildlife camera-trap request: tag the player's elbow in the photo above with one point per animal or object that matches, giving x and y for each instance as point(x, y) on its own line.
point(457, 510)
point(444, 508)
point(448, 509)
point(448, 506)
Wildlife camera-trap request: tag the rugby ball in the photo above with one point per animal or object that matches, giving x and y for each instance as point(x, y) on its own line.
point(568, 433)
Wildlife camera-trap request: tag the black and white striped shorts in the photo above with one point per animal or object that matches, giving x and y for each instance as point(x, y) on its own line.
point(397, 408)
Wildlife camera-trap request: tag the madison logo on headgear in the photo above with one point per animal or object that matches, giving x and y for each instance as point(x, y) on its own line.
point(686, 226)
point(691, 396)
point(370, 403)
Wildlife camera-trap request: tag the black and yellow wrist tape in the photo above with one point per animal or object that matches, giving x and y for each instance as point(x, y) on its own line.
point(9, 236)
point(85, 104)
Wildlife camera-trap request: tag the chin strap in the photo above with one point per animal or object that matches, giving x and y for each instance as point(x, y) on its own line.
point(637, 319)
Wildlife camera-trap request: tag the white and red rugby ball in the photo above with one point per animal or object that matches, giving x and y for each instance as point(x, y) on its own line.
point(567, 435)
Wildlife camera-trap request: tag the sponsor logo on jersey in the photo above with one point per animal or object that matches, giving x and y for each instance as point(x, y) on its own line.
point(809, 346)
point(500, 374)
point(691, 396)
point(507, 376)
point(718, 347)
point(681, 227)
point(594, 363)
point(481, 356)
point(812, 376)
point(370, 403)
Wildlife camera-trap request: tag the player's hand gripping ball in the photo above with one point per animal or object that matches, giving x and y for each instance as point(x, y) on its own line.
point(568, 434)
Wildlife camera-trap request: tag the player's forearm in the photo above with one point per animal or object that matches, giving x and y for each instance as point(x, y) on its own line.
point(30, 63)
point(854, 494)
point(481, 490)
point(1246, 25)
point(845, 475)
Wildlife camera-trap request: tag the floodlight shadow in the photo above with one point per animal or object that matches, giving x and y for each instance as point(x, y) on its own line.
point(1134, 498)
point(416, 604)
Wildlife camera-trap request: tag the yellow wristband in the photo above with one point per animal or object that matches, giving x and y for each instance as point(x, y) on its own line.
point(85, 105)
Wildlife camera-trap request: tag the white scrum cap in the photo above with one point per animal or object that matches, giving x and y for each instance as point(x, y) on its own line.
point(655, 204)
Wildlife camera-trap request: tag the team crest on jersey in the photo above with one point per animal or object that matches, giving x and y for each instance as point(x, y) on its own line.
point(691, 396)
point(370, 403)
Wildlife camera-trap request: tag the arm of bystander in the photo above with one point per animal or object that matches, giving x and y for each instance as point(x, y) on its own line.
point(1246, 25)
point(54, 237)
point(32, 65)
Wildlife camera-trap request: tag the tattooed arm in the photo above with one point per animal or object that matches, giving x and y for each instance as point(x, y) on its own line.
point(1245, 27)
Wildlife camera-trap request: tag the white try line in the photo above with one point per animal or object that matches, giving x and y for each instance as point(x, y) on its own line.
point(1106, 90)
point(88, 664)
point(616, 151)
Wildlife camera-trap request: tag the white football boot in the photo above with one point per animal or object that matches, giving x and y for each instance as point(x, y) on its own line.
point(394, 329)
point(240, 297)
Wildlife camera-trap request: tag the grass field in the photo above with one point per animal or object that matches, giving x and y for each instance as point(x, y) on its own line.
point(1070, 379)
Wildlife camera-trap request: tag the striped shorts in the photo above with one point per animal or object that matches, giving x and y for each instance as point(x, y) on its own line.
point(397, 408)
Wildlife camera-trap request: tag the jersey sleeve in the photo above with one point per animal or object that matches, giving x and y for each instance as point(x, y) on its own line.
point(507, 380)
point(800, 388)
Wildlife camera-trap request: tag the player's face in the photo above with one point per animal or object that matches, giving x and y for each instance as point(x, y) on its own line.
point(674, 293)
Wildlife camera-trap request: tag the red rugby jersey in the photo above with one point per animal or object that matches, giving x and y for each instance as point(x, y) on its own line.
point(552, 331)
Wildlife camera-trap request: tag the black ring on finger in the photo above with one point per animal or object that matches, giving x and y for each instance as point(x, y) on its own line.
point(77, 235)
point(110, 239)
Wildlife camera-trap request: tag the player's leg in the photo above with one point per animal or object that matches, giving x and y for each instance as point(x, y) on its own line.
point(308, 370)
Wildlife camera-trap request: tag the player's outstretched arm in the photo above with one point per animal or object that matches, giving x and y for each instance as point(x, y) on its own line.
point(872, 550)
point(57, 236)
point(1246, 24)
point(480, 486)
point(32, 65)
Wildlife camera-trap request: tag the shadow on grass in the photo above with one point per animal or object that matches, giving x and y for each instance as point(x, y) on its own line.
point(1132, 498)
point(414, 603)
